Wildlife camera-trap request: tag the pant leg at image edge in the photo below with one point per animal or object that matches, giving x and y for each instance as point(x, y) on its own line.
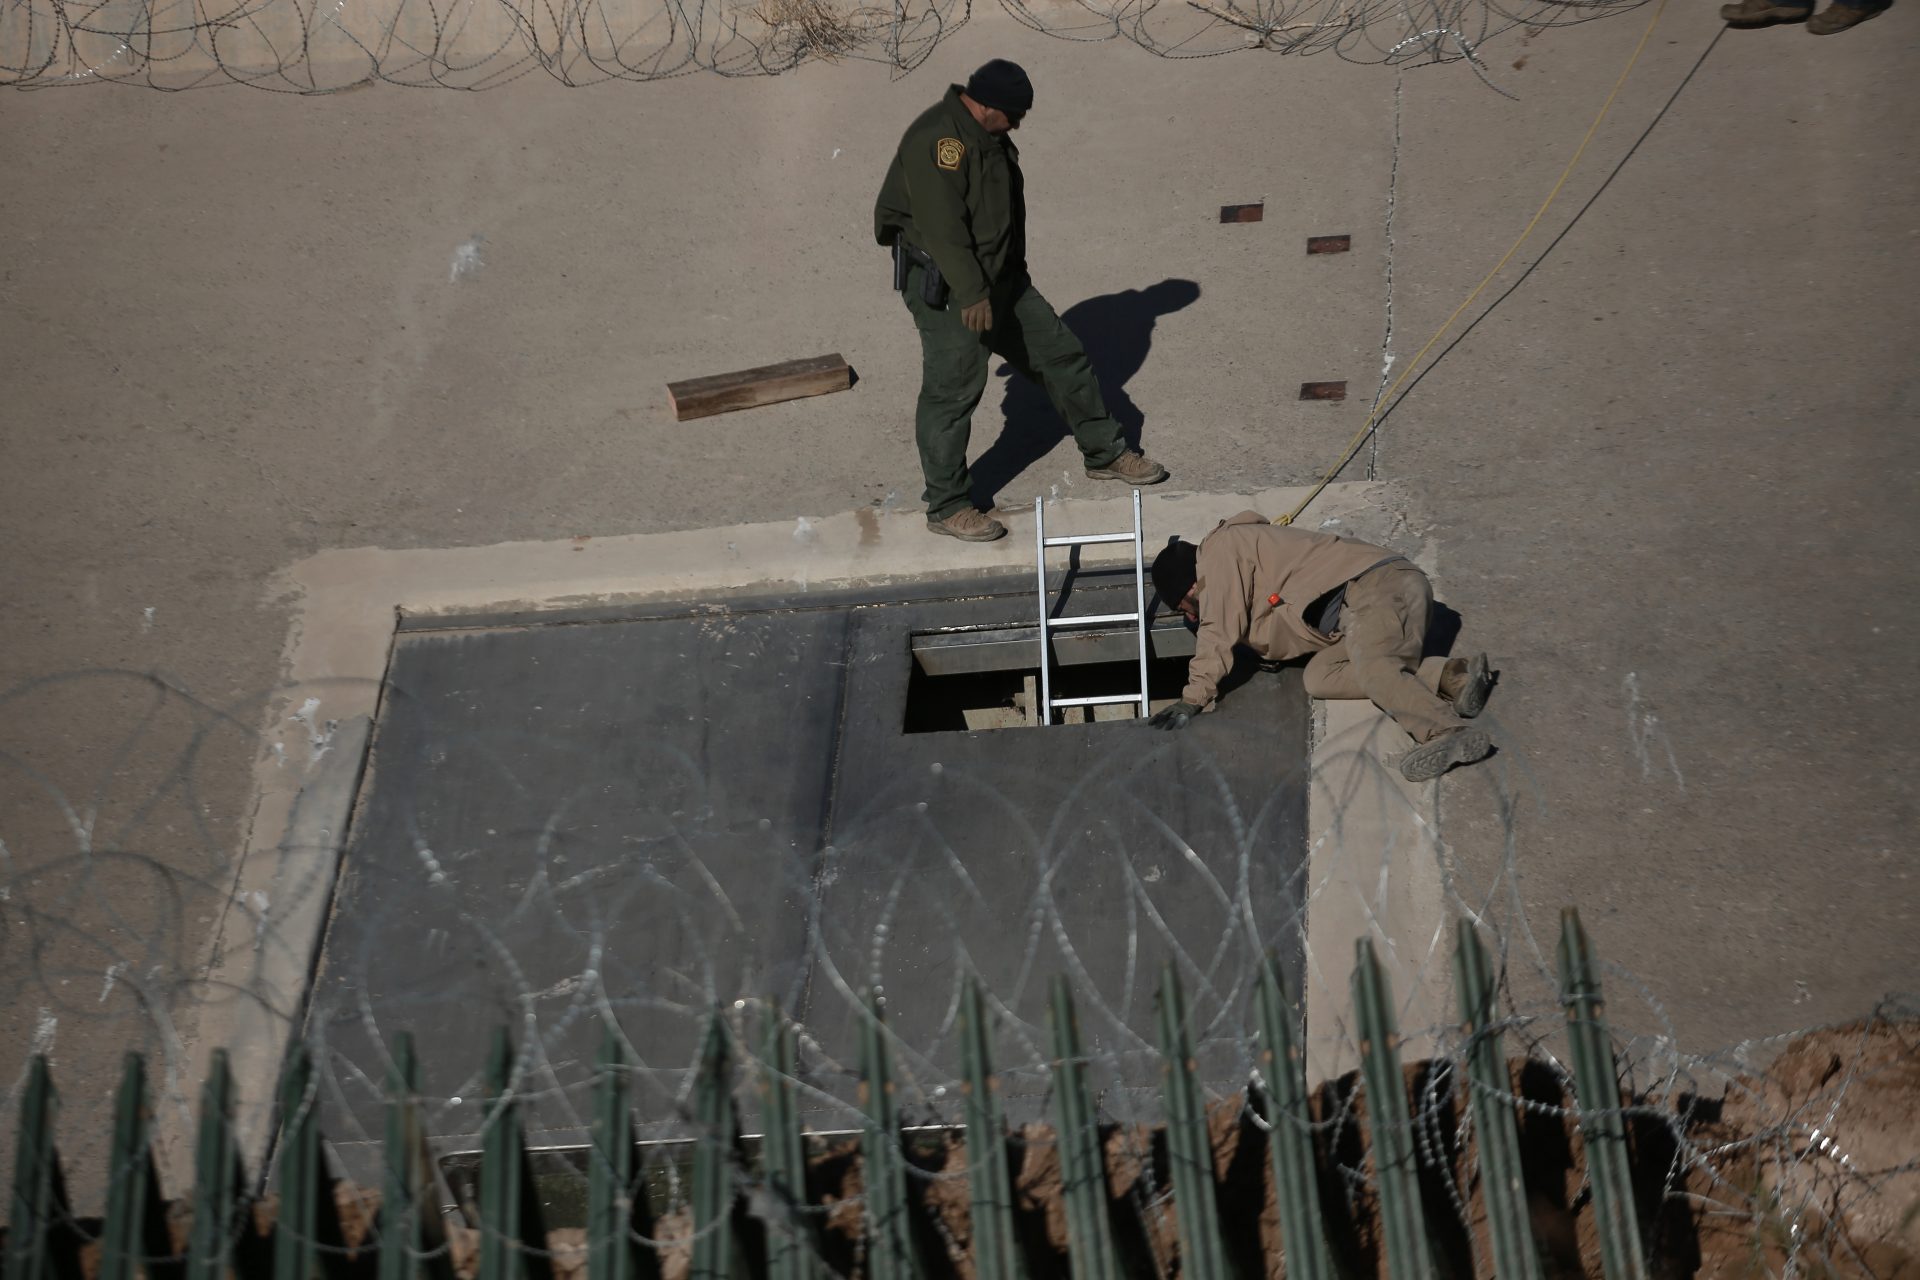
point(953, 376)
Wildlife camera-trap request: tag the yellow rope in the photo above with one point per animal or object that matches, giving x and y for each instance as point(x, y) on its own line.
point(1480, 288)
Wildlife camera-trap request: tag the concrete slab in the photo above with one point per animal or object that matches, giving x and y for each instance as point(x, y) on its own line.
point(1650, 465)
point(343, 648)
point(655, 819)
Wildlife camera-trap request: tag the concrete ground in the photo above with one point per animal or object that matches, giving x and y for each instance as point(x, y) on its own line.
point(1671, 474)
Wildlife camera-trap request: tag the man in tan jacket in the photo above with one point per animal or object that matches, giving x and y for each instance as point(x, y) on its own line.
point(1360, 610)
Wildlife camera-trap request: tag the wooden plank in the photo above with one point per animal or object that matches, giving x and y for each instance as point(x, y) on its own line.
point(750, 388)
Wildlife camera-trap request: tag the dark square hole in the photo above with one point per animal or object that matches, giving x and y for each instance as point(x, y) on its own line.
point(1004, 699)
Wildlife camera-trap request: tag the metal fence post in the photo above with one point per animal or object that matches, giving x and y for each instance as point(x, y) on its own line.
point(41, 1241)
point(890, 1253)
point(133, 1237)
point(996, 1252)
point(1602, 1126)
point(1409, 1254)
point(616, 1208)
point(716, 1252)
point(1203, 1251)
point(1083, 1169)
point(297, 1246)
point(216, 1178)
point(792, 1249)
point(1497, 1133)
point(1296, 1176)
point(412, 1243)
point(513, 1240)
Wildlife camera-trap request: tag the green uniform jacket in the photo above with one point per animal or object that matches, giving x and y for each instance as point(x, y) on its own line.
point(955, 192)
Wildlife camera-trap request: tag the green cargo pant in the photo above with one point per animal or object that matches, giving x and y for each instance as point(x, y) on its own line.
point(953, 375)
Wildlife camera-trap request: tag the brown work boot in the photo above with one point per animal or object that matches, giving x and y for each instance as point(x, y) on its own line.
point(1836, 18)
point(968, 525)
point(1131, 466)
point(1437, 755)
point(1466, 682)
point(1762, 13)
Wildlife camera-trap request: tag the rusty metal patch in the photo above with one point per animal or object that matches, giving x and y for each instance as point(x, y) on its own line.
point(1323, 391)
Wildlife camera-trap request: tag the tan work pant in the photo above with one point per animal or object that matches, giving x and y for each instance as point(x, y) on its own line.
point(1383, 627)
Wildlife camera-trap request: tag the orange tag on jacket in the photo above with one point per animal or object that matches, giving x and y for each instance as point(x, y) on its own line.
point(1274, 599)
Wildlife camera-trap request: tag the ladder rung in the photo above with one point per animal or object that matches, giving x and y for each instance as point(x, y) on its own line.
point(1083, 539)
point(1093, 620)
point(1109, 700)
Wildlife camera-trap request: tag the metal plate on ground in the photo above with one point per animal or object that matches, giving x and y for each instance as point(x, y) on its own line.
point(654, 817)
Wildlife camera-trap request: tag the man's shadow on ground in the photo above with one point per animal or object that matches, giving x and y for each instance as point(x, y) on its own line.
point(1117, 331)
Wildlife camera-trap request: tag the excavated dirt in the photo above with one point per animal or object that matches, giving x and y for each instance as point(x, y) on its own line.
point(1812, 1167)
point(1834, 1125)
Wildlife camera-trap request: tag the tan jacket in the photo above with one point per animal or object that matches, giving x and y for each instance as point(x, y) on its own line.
point(1254, 580)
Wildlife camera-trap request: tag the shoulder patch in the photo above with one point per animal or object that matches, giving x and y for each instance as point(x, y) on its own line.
point(949, 152)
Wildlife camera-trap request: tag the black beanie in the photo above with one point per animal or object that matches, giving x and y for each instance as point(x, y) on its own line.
point(1174, 571)
point(1003, 85)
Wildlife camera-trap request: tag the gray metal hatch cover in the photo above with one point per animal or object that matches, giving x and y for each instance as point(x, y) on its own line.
point(697, 805)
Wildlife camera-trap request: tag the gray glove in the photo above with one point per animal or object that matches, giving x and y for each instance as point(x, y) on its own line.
point(1174, 717)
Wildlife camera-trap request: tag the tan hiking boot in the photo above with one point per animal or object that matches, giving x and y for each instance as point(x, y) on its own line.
point(1437, 755)
point(1466, 682)
point(968, 525)
point(1836, 18)
point(1134, 468)
point(1762, 13)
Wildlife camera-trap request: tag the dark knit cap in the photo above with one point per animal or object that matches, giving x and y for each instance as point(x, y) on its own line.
point(1175, 570)
point(1002, 84)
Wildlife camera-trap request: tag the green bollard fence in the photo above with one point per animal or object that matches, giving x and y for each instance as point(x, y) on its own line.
point(42, 1241)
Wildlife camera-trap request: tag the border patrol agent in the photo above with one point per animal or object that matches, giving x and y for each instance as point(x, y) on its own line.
point(1360, 610)
point(953, 208)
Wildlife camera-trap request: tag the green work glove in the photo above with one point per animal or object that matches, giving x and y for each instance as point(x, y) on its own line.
point(979, 317)
point(1175, 716)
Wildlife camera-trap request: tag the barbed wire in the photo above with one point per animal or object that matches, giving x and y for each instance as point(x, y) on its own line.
point(1794, 1152)
point(288, 46)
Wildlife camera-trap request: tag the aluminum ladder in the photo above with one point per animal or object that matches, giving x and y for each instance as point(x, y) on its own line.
point(1041, 543)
